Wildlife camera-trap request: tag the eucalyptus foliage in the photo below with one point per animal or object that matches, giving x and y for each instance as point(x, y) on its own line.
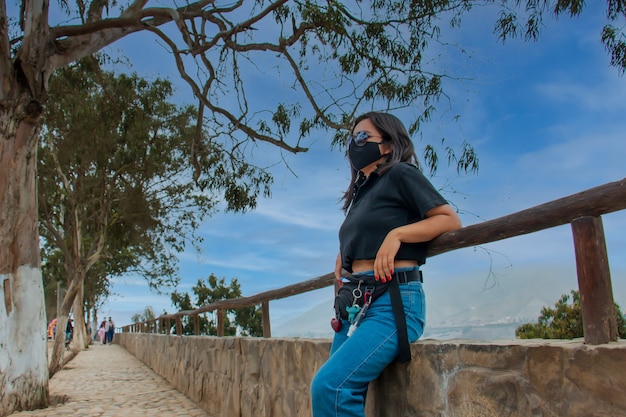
point(563, 321)
point(114, 179)
point(146, 315)
point(244, 321)
point(116, 194)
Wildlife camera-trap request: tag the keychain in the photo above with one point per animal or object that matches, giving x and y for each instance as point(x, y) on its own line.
point(355, 312)
point(355, 308)
point(352, 312)
point(361, 314)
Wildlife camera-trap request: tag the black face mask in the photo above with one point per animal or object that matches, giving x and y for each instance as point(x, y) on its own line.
point(362, 156)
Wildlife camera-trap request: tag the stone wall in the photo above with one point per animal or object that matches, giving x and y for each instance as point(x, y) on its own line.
point(255, 377)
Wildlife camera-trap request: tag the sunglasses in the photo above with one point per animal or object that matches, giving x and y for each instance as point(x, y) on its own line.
point(360, 138)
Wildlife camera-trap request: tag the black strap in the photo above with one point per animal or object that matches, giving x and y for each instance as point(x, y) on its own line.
point(408, 276)
point(404, 349)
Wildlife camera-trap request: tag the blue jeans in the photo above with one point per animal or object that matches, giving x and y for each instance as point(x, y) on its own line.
point(339, 387)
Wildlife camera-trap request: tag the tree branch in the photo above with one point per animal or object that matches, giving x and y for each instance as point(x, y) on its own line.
point(32, 54)
point(201, 95)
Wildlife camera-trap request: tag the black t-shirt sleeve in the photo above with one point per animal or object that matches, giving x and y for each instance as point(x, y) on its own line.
point(416, 190)
point(400, 196)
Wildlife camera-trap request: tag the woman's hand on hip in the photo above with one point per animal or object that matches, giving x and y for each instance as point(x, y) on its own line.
point(438, 220)
point(384, 262)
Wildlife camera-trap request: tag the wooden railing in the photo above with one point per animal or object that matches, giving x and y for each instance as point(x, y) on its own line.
point(581, 210)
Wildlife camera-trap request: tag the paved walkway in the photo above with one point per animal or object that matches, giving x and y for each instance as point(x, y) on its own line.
point(107, 381)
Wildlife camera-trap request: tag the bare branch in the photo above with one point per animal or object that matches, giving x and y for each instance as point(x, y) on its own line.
point(202, 96)
point(137, 21)
point(321, 114)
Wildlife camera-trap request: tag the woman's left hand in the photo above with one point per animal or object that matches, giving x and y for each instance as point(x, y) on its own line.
point(438, 220)
point(384, 262)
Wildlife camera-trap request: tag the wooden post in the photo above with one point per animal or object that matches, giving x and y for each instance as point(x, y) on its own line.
point(594, 281)
point(220, 322)
point(265, 319)
point(179, 326)
point(168, 328)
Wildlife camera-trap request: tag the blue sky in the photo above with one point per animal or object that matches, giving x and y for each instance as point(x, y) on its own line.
point(547, 120)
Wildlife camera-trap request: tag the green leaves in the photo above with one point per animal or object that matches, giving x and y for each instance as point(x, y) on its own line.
point(147, 314)
point(517, 17)
point(564, 321)
point(115, 178)
point(241, 321)
point(615, 44)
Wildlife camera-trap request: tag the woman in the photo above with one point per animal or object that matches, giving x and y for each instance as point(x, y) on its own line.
point(102, 332)
point(392, 211)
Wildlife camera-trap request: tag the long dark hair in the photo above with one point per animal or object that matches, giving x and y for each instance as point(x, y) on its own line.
point(402, 149)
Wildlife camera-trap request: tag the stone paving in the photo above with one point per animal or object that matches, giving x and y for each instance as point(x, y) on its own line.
point(107, 381)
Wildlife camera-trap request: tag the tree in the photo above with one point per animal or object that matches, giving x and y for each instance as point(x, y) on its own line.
point(530, 19)
point(97, 287)
point(147, 314)
point(54, 287)
point(242, 321)
point(339, 58)
point(123, 199)
point(96, 291)
point(564, 321)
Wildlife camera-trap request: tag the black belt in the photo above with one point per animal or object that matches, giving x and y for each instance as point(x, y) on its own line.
point(404, 354)
point(408, 276)
point(402, 277)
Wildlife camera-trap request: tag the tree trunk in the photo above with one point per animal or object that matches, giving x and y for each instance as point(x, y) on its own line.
point(80, 337)
point(56, 360)
point(23, 355)
point(89, 325)
point(96, 322)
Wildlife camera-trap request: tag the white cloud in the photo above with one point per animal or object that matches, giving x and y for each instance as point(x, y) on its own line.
point(607, 96)
point(299, 214)
point(585, 159)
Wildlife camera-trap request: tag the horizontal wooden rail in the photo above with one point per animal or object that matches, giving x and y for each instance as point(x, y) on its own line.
point(591, 203)
point(594, 202)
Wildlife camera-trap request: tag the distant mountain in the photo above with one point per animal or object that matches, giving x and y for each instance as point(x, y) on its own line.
point(314, 323)
point(469, 324)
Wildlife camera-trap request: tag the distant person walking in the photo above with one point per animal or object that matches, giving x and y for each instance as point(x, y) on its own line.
point(110, 330)
point(69, 332)
point(102, 332)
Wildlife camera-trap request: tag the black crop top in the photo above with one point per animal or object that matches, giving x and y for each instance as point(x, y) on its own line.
point(400, 196)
